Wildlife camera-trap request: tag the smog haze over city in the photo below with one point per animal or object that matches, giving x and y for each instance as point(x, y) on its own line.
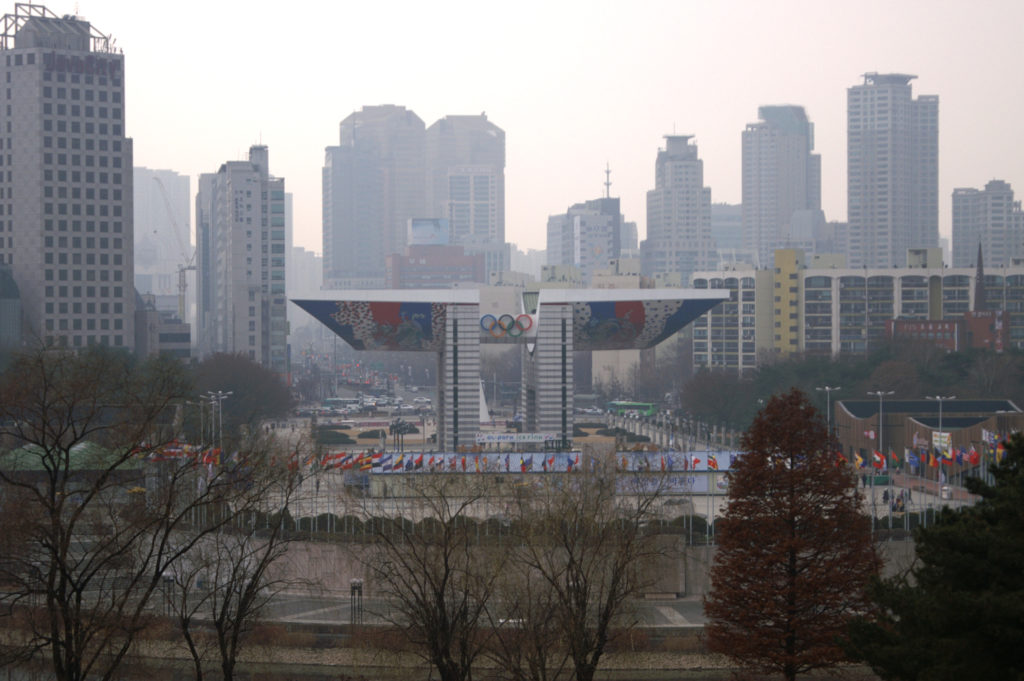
point(575, 85)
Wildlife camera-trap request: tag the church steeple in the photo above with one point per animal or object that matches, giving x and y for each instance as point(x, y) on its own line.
point(979, 284)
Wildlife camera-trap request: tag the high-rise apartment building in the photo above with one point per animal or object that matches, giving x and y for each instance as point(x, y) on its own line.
point(989, 218)
point(892, 171)
point(678, 213)
point(781, 179)
point(240, 262)
point(66, 180)
point(589, 235)
point(373, 184)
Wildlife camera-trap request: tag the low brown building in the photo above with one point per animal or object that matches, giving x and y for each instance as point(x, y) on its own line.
point(912, 426)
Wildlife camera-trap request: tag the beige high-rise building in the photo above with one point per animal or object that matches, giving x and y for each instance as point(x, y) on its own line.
point(66, 213)
point(678, 213)
point(892, 171)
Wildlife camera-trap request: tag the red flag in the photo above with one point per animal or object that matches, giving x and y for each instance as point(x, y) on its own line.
point(932, 461)
point(879, 459)
point(974, 458)
point(695, 462)
point(892, 455)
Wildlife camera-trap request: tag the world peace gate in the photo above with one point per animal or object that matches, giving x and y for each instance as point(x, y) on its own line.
point(549, 327)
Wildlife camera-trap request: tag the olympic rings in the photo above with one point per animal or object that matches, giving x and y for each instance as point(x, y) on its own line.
point(506, 325)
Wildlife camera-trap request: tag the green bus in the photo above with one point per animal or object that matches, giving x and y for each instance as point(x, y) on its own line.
point(640, 408)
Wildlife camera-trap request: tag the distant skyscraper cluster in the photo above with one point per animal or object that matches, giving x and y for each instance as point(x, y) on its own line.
point(389, 169)
point(94, 251)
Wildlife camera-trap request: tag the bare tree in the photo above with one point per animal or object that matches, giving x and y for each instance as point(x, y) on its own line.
point(99, 523)
point(584, 548)
point(437, 577)
point(227, 579)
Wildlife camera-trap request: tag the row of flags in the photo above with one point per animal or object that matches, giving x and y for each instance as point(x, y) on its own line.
point(427, 462)
point(671, 461)
point(992, 450)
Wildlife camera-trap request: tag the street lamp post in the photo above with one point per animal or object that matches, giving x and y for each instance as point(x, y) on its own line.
point(940, 399)
point(828, 390)
point(881, 395)
point(217, 401)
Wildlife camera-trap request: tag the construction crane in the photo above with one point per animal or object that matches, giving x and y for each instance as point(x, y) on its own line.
point(189, 260)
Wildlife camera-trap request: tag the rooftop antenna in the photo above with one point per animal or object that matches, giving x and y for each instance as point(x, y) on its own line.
point(607, 180)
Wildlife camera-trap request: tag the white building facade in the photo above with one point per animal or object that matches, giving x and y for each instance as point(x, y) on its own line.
point(240, 261)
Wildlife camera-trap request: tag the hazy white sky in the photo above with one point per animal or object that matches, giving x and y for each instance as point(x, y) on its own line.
point(573, 84)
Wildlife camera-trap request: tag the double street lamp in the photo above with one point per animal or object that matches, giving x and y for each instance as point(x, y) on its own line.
point(828, 390)
point(940, 399)
point(881, 395)
point(216, 399)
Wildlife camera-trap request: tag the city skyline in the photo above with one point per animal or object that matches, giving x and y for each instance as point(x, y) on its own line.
point(607, 85)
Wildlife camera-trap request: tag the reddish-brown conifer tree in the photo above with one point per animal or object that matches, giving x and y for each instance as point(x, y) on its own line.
point(795, 551)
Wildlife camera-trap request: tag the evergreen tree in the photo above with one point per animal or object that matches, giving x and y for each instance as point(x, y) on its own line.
point(795, 553)
point(959, 612)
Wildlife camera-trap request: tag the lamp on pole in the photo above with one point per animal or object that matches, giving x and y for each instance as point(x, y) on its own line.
point(828, 390)
point(217, 400)
point(881, 395)
point(940, 399)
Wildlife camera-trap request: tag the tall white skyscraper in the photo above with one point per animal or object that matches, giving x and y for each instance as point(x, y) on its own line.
point(678, 213)
point(781, 178)
point(990, 218)
point(240, 262)
point(373, 184)
point(66, 186)
point(892, 171)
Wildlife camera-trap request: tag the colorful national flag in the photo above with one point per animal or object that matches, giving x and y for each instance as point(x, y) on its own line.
point(895, 459)
point(419, 461)
point(860, 461)
point(911, 458)
point(869, 434)
point(973, 457)
point(878, 460)
point(694, 463)
point(932, 461)
point(841, 460)
point(712, 462)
